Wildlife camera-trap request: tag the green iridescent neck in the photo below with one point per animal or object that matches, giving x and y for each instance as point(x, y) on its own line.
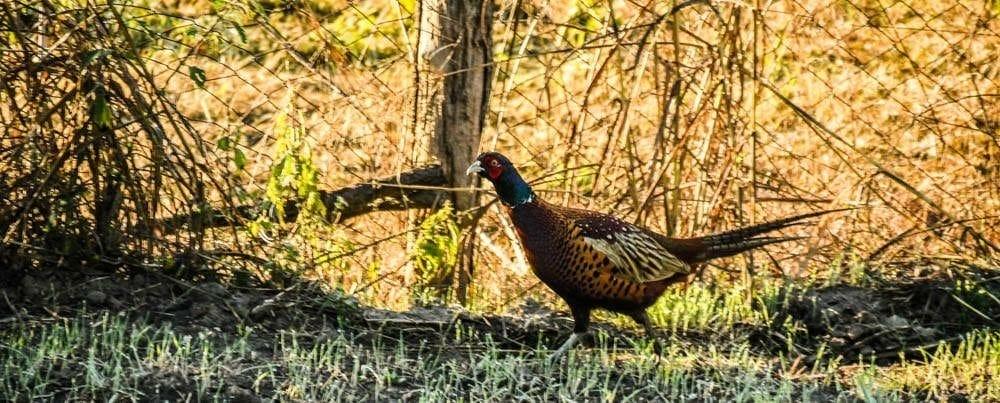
point(513, 190)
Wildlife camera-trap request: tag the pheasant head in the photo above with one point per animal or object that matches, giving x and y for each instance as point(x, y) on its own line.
point(496, 168)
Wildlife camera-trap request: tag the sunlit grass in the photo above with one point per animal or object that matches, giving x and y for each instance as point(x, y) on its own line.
point(701, 307)
point(111, 357)
point(971, 368)
point(108, 356)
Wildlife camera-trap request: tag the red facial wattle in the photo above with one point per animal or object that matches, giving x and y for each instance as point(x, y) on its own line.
point(494, 170)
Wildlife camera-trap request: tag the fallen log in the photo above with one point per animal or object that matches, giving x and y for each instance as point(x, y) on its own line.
point(412, 189)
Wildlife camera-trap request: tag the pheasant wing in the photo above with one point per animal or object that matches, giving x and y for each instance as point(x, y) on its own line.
point(634, 251)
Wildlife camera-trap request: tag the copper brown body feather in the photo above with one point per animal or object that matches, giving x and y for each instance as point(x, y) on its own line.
point(575, 270)
point(594, 260)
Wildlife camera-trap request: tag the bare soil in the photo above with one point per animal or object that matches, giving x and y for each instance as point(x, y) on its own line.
point(881, 323)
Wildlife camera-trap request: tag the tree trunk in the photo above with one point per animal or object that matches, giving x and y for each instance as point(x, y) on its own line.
point(458, 46)
point(465, 36)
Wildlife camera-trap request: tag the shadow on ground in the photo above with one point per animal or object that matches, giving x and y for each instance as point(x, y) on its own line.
point(881, 324)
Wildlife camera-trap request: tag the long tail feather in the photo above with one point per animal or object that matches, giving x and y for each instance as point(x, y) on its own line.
point(743, 239)
point(754, 230)
point(715, 251)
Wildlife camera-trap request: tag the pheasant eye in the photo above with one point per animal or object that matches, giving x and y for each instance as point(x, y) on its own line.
point(494, 169)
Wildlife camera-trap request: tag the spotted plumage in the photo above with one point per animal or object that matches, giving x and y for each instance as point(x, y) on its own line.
point(594, 260)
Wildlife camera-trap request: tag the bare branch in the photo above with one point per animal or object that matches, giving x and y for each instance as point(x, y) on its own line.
point(414, 189)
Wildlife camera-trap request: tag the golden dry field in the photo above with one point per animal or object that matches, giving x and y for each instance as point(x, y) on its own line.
point(151, 151)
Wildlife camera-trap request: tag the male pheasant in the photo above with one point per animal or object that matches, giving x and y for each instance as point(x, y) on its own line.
point(594, 260)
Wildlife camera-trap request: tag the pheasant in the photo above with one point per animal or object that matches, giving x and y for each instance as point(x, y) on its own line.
point(596, 261)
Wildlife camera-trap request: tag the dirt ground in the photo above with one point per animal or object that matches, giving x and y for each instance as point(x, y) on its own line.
point(879, 324)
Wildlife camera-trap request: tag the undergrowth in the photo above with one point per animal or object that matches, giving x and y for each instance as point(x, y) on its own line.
point(709, 337)
point(110, 357)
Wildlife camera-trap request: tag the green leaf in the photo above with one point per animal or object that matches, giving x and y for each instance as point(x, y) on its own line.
point(277, 168)
point(223, 143)
point(197, 75)
point(243, 33)
point(239, 158)
point(288, 171)
point(100, 111)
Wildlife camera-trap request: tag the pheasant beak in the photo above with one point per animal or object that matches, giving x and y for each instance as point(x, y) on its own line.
point(475, 168)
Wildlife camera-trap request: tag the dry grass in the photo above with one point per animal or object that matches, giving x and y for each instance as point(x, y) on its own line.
point(905, 88)
point(150, 339)
point(686, 123)
point(606, 112)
